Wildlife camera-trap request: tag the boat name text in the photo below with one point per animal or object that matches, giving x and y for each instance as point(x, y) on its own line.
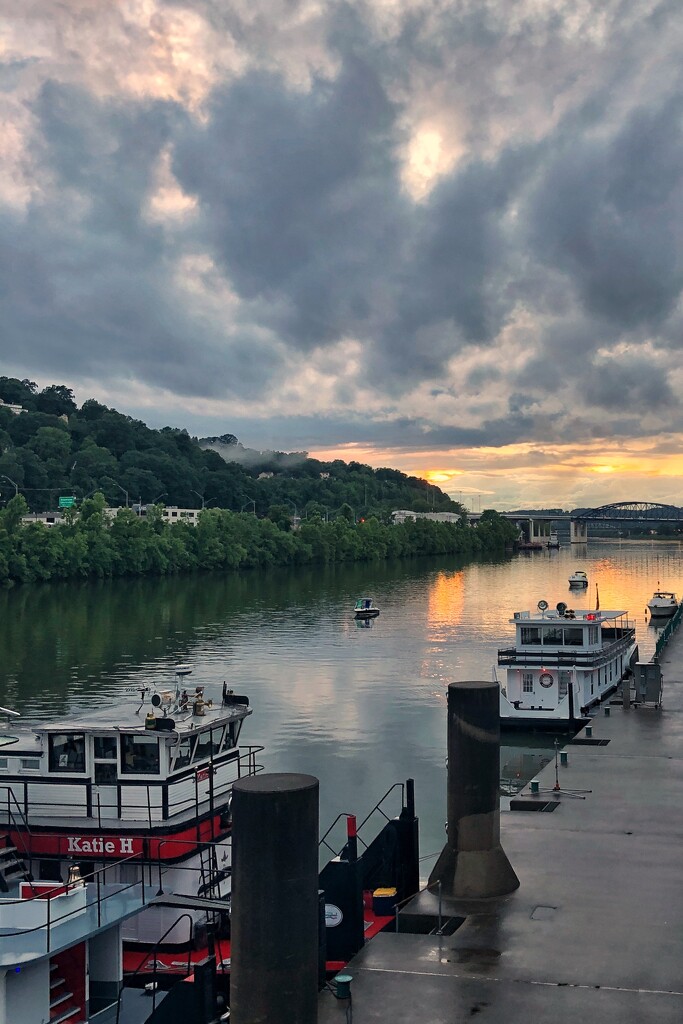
point(77, 844)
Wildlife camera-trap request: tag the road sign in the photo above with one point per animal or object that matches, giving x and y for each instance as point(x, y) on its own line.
point(67, 502)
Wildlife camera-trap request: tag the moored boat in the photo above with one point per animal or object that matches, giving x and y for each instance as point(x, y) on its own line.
point(564, 662)
point(143, 789)
point(662, 604)
point(578, 579)
point(365, 608)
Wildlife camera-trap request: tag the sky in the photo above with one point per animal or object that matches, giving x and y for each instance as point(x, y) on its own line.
point(438, 235)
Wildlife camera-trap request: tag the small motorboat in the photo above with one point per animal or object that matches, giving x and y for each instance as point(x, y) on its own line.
point(578, 579)
point(365, 609)
point(662, 604)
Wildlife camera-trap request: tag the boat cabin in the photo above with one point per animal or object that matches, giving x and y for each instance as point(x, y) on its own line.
point(564, 660)
point(169, 757)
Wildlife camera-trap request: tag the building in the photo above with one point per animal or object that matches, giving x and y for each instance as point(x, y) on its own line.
point(400, 516)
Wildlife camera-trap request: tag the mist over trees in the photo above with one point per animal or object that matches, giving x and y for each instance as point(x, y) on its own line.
point(56, 449)
point(102, 458)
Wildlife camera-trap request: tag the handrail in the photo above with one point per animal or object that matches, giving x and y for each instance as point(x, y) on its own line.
point(48, 924)
point(154, 949)
point(377, 807)
point(197, 847)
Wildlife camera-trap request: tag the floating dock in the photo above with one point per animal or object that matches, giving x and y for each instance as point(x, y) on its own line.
point(594, 933)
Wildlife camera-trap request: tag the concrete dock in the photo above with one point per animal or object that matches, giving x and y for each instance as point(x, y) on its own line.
point(595, 931)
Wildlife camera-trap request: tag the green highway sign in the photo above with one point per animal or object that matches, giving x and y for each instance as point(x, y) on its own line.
point(67, 502)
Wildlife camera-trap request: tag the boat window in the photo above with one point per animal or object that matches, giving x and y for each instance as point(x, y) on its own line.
point(67, 752)
point(29, 763)
point(527, 682)
point(530, 635)
point(140, 755)
point(573, 637)
point(216, 739)
point(3, 763)
point(184, 752)
point(593, 635)
point(104, 748)
point(105, 773)
point(203, 750)
point(552, 636)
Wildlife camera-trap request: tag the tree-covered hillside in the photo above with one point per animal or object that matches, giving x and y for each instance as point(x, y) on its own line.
point(57, 449)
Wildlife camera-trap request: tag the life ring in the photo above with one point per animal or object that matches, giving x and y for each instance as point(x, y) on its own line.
point(546, 680)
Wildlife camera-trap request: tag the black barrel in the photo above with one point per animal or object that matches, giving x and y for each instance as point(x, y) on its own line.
point(473, 864)
point(274, 926)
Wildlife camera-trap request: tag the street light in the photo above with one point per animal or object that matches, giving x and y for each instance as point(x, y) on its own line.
point(121, 489)
point(12, 482)
point(290, 502)
point(250, 502)
point(200, 496)
point(164, 494)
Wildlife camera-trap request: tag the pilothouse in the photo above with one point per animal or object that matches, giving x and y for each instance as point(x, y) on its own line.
point(564, 662)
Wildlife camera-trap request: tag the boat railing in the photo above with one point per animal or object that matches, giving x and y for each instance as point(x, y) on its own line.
point(53, 920)
point(19, 828)
point(150, 954)
point(576, 656)
point(668, 631)
point(378, 808)
point(156, 802)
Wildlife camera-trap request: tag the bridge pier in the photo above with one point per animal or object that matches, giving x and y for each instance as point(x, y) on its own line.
point(578, 531)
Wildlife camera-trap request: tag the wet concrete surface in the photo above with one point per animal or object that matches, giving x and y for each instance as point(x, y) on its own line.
point(595, 931)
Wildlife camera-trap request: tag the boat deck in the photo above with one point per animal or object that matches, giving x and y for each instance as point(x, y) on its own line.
point(595, 930)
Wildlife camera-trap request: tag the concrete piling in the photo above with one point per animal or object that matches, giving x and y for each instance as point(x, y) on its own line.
point(473, 864)
point(275, 902)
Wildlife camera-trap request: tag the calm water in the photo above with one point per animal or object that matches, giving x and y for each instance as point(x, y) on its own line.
point(360, 708)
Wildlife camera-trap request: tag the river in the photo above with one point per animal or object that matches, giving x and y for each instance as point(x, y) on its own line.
point(359, 707)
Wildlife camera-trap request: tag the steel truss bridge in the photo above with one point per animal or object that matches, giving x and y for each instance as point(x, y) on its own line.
point(537, 524)
point(631, 511)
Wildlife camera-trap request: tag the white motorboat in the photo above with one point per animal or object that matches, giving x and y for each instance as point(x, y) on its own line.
point(662, 604)
point(578, 579)
point(563, 663)
point(365, 608)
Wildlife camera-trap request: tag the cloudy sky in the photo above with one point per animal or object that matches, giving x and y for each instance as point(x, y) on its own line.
point(440, 235)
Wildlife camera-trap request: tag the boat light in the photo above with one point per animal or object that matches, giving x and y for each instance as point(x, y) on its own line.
point(591, 617)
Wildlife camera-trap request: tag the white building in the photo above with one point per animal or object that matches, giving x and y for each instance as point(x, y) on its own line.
point(400, 516)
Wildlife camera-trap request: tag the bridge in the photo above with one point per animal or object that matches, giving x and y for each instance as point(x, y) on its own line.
point(537, 526)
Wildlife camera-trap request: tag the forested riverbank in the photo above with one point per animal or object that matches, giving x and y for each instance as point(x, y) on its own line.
point(92, 544)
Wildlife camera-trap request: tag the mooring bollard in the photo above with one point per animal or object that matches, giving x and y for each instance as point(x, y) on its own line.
point(534, 786)
point(589, 730)
point(274, 969)
point(472, 864)
point(564, 758)
point(607, 711)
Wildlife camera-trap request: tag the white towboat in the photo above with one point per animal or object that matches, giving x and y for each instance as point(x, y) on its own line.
point(141, 788)
point(662, 604)
point(563, 663)
point(578, 579)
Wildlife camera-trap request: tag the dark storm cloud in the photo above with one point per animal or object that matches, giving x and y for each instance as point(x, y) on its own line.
point(84, 274)
point(632, 383)
point(608, 211)
point(563, 212)
point(301, 200)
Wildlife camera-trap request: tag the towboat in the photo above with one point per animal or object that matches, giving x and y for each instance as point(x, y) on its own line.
point(662, 604)
point(142, 789)
point(578, 579)
point(365, 609)
point(564, 662)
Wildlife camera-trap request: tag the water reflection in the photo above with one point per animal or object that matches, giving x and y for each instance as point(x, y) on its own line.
point(360, 704)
